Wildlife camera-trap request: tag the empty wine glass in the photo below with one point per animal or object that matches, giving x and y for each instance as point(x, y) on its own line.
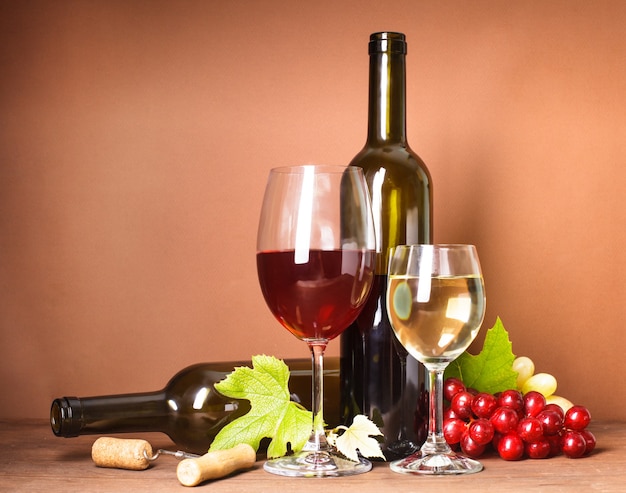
point(315, 262)
point(436, 304)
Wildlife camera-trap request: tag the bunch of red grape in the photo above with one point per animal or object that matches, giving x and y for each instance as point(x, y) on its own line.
point(515, 425)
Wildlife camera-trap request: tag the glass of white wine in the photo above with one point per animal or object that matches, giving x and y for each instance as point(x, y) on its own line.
point(436, 305)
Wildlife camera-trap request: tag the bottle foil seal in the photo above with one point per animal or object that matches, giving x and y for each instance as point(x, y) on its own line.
point(387, 42)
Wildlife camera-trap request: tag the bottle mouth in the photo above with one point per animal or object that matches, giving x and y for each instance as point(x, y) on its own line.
point(62, 419)
point(387, 42)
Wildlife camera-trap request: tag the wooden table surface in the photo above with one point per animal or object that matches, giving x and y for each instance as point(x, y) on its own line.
point(32, 459)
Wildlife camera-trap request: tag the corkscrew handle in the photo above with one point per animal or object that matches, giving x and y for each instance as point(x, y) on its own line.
point(216, 464)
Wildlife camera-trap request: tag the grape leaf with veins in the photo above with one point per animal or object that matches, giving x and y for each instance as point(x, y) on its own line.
point(491, 370)
point(272, 414)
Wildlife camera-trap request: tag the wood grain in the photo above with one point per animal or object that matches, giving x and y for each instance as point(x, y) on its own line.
point(33, 460)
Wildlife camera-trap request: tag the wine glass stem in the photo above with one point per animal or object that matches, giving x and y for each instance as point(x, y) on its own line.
point(436, 442)
point(317, 441)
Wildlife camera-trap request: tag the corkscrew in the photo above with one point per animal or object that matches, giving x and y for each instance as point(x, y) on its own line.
point(179, 454)
point(194, 469)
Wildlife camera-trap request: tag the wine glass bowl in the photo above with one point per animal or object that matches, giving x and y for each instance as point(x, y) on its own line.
point(315, 263)
point(436, 305)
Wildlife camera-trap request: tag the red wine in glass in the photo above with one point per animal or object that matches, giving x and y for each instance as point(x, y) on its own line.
point(319, 298)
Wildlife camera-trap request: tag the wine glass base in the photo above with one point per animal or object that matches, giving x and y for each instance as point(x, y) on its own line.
point(436, 464)
point(316, 465)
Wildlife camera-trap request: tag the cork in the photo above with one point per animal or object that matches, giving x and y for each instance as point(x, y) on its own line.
point(121, 453)
point(216, 464)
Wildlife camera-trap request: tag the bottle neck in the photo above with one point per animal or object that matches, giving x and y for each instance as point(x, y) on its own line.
point(72, 416)
point(387, 89)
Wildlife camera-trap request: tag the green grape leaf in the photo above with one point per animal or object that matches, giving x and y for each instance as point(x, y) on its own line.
point(492, 369)
point(358, 436)
point(272, 414)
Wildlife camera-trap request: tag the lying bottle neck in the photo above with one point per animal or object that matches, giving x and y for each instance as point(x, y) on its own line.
point(72, 416)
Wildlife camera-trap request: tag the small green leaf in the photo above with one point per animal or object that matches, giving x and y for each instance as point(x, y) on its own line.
point(491, 370)
point(272, 414)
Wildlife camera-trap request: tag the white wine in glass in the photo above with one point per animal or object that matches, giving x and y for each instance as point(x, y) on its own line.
point(436, 305)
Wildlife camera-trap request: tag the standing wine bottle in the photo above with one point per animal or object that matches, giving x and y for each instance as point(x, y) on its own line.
point(188, 409)
point(373, 364)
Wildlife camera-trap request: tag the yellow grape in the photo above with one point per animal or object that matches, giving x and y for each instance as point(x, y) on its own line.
point(540, 382)
point(525, 369)
point(560, 401)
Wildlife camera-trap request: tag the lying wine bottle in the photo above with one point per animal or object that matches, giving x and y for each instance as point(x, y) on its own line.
point(188, 409)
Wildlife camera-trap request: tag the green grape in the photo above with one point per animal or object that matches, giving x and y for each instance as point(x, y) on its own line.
point(543, 383)
point(525, 369)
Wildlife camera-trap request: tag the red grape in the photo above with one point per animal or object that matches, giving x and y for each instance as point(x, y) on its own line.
point(552, 422)
point(451, 387)
point(448, 413)
point(577, 418)
point(573, 444)
point(496, 440)
point(534, 402)
point(461, 404)
point(539, 449)
point(504, 419)
point(555, 444)
point(484, 404)
point(481, 431)
point(453, 429)
point(511, 446)
point(471, 447)
point(530, 429)
point(556, 408)
point(590, 441)
point(513, 399)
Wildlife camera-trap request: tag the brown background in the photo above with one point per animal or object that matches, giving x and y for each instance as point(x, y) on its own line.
point(136, 137)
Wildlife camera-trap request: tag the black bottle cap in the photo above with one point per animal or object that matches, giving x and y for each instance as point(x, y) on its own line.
point(387, 42)
point(63, 417)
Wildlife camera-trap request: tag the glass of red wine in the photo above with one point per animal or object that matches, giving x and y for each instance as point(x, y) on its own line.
point(315, 263)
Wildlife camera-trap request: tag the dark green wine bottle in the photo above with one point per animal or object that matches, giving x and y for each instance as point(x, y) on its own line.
point(401, 190)
point(188, 409)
